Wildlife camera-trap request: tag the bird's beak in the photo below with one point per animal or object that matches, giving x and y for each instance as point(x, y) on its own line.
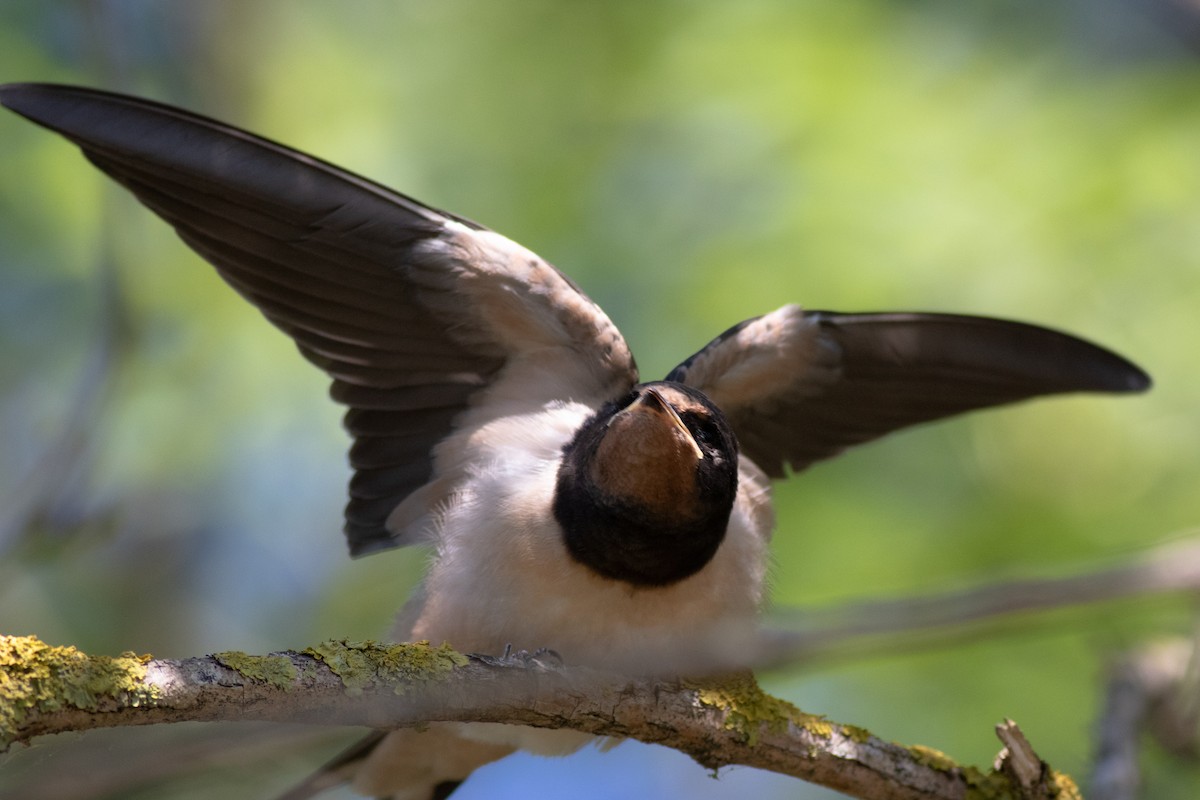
point(652, 402)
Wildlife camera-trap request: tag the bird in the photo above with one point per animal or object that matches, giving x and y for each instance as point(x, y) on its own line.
point(498, 416)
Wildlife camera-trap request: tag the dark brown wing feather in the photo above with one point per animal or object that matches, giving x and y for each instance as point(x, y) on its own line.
point(332, 259)
point(862, 376)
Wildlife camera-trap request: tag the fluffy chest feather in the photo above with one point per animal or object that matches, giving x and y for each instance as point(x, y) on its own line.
point(501, 574)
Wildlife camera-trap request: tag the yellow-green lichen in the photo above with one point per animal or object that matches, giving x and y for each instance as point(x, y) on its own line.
point(981, 785)
point(363, 664)
point(747, 707)
point(989, 785)
point(996, 785)
point(929, 757)
point(278, 671)
point(1064, 786)
point(856, 734)
point(35, 676)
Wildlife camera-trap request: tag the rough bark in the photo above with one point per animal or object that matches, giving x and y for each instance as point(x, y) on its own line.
point(717, 722)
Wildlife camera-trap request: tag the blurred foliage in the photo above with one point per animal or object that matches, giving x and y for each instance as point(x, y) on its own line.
point(172, 473)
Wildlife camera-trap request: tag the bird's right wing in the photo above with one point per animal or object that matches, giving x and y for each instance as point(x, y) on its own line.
point(800, 386)
point(418, 315)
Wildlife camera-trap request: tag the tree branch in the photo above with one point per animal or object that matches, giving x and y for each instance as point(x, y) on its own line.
point(46, 689)
point(904, 624)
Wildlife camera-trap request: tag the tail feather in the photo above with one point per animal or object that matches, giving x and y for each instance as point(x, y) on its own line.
point(403, 765)
point(340, 770)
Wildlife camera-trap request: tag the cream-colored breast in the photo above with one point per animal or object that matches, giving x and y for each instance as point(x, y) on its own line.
point(502, 575)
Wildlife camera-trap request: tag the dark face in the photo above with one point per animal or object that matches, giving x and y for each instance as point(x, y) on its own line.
point(646, 486)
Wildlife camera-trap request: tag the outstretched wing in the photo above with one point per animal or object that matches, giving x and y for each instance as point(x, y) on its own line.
point(416, 314)
point(802, 386)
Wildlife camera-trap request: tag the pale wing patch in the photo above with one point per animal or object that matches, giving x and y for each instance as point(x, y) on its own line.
point(780, 351)
point(523, 303)
point(560, 346)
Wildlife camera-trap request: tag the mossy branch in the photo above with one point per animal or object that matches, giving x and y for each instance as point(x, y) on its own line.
point(45, 689)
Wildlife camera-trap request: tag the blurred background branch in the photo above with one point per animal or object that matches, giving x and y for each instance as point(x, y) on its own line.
point(872, 628)
point(1153, 690)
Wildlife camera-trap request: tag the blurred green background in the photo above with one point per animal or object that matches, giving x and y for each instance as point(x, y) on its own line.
point(172, 473)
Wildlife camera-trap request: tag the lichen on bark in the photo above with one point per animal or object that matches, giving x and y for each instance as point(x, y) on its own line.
point(35, 676)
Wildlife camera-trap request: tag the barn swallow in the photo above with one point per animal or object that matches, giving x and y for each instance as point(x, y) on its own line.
point(497, 412)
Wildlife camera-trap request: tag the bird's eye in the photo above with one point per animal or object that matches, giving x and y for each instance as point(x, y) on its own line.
point(702, 427)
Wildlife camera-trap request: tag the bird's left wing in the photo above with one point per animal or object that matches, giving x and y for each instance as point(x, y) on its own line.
point(419, 316)
point(801, 386)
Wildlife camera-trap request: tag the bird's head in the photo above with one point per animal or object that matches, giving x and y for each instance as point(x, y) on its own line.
point(646, 485)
